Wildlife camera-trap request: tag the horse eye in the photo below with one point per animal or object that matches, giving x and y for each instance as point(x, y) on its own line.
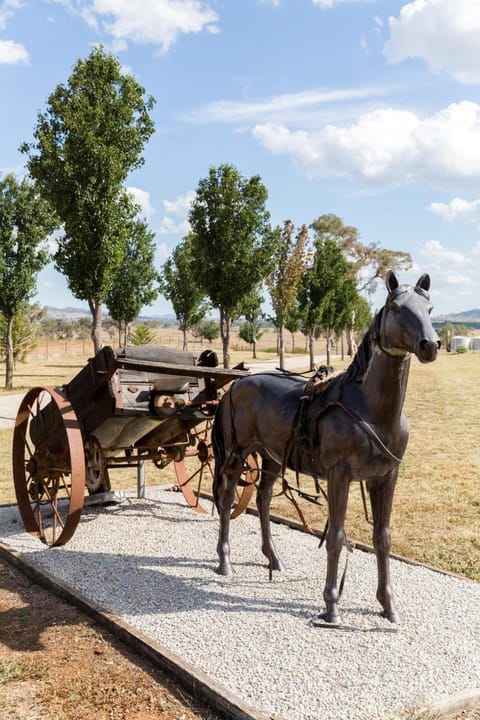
point(395, 307)
point(429, 308)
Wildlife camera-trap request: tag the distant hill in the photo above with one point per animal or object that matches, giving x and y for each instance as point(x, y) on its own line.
point(67, 313)
point(467, 316)
point(75, 313)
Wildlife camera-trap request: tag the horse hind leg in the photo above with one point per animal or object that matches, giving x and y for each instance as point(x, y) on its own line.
point(270, 470)
point(225, 486)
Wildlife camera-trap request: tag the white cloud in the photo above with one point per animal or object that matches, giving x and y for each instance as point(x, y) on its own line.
point(7, 9)
point(457, 209)
point(146, 22)
point(179, 208)
point(386, 146)
point(328, 4)
point(285, 107)
point(12, 53)
point(440, 254)
point(142, 198)
point(444, 33)
point(454, 275)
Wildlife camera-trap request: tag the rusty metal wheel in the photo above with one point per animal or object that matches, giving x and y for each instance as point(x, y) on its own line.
point(96, 479)
point(195, 474)
point(48, 465)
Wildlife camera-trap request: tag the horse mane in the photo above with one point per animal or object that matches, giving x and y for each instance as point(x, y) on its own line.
point(357, 369)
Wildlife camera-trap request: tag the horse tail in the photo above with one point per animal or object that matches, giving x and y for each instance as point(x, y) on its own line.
point(218, 446)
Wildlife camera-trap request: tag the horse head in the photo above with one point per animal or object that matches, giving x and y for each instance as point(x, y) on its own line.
point(406, 326)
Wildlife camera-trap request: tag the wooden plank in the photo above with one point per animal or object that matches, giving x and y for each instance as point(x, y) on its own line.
point(193, 371)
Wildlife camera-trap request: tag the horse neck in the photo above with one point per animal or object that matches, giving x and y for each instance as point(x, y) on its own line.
point(385, 385)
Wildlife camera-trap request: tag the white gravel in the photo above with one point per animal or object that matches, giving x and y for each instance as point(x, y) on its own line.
point(152, 562)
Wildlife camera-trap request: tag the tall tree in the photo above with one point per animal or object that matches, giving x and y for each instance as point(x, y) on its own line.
point(26, 220)
point(88, 140)
point(327, 294)
point(251, 309)
point(136, 282)
point(368, 263)
point(179, 284)
point(290, 258)
point(232, 241)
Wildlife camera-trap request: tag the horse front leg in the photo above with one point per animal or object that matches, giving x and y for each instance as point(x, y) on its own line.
point(270, 470)
point(338, 484)
point(381, 498)
point(225, 495)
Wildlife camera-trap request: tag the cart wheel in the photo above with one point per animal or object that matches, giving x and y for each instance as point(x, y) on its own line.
point(48, 465)
point(96, 477)
point(195, 475)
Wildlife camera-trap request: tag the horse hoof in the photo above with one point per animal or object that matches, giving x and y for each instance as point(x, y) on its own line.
point(326, 619)
point(224, 569)
point(392, 616)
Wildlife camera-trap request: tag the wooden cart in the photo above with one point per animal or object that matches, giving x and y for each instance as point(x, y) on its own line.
point(148, 403)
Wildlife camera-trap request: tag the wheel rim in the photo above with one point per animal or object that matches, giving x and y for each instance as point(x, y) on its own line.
point(48, 465)
point(195, 478)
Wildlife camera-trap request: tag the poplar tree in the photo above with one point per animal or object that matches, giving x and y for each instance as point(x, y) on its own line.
point(26, 221)
point(232, 241)
point(86, 142)
point(137, 282)
point(179, 284)
point(283, 283)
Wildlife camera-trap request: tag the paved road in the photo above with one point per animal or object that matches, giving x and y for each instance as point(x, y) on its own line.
point(8, 409)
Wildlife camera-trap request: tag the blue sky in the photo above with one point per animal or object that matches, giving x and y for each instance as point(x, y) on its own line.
point(368, 109)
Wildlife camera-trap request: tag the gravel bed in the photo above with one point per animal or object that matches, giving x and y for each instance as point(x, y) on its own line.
point(152, 562)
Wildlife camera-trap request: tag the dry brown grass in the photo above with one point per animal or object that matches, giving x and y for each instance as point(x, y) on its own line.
point(436, 517)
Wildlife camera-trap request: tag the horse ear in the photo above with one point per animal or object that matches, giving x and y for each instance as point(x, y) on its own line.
point(391, 281)
point(424, 282)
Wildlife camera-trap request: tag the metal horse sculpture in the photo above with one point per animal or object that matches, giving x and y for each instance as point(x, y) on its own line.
point(350, 427)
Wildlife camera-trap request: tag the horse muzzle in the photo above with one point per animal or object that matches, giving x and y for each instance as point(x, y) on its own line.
point(428, 350)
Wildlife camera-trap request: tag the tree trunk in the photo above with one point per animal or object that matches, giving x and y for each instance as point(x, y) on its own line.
point(311, 341)
point(225, 325)
point(96, 331)
point(281, 346)
point(184, 335)
point(351, 344)
point(328, 345)
point(9, 363)
point(254, 345)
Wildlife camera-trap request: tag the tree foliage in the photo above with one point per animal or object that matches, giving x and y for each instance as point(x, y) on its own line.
point(26, 328)
point(26, 220)
point(142, 335)
point(290, 261)
point(206, 330)
point(251, 309)
point(328, 292)
point(86, 142)
point(368, 263)
point(179, 284)
point(232, 241)
point(137, 282)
